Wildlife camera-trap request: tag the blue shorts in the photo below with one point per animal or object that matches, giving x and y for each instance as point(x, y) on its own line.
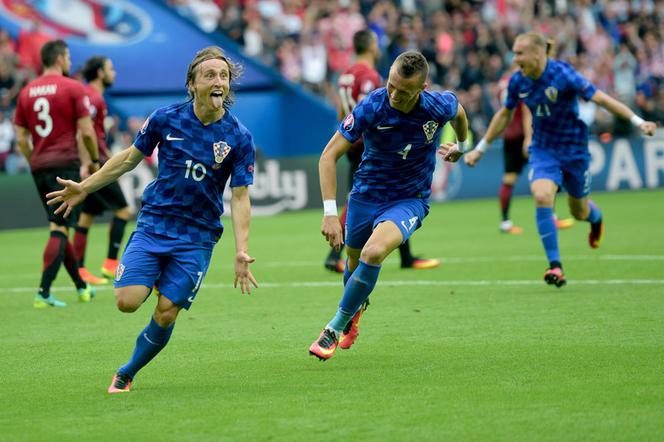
point(178, 266)
point(363, 217)
point(567, 167)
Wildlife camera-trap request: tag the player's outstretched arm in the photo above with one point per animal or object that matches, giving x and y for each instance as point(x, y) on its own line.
point(621, 110)
point(327, 169)
point(496, 127)
point(451, 152)
point(241, 216)
point(74, 193)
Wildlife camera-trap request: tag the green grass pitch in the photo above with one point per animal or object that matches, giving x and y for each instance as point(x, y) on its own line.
point(478, 349)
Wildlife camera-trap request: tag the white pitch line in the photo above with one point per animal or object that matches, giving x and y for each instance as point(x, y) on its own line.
point(443, 260)
point(400, 283)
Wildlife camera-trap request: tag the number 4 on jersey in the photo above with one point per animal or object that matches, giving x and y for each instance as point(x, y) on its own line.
point(404, 152)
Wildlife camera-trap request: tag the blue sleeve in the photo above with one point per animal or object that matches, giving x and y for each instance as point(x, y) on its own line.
point(242, 173)
point(580, 84)
point(447, 105)
point(358, 120)
point(512, 96)
point(149, 136)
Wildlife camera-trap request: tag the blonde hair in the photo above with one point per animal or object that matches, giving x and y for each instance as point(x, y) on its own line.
point(213, 53)
point(535, 39)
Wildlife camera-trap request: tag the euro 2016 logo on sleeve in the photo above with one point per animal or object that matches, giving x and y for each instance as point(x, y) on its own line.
point(349, 122)
point(430, 129)
point(221, 150)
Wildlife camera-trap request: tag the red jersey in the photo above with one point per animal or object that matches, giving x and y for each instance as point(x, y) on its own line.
point(49, 107)
point(515, 129)
point(359, 79)
point(98, 112)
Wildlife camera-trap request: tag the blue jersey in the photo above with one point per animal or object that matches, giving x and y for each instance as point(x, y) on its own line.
point(195, 162)
point(553, 101)
point(399, 149)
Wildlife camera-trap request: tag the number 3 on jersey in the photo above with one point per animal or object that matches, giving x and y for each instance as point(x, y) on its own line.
point(43, 107)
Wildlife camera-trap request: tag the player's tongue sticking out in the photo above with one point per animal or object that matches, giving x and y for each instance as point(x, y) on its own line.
point(217, 99)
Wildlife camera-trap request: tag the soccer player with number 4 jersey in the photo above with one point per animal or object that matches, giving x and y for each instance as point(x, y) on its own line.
point(354, 84)
point(390, 197)
point(558, 153)
point(201, 145)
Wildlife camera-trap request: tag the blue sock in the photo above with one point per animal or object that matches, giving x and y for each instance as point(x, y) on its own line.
point(347, 273)
point(595, 214)
point(359, 286)
point(149, 342)
point(548, 233)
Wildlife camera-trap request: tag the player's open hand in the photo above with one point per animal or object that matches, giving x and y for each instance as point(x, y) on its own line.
point(243, 274)
point(331, 230)
point(472, 157)
point(70, 196)
point(648, 128)
point(450, 152)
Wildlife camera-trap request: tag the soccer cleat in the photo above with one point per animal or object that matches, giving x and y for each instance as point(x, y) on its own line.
point(86, 294)
point(596, 234)
point(109, 267)
point(352, 330)
point(325, 346)
point(335, 265)
point(555, 277)
point(120, 384)
point(41, 302)
point(90, 278)
point(566, 223)
point(508, 227)
point(421, 264)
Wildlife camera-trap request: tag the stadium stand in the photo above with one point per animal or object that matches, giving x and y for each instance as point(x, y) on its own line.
point(617, 44)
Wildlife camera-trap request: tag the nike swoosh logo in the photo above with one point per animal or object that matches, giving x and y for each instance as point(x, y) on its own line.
point(170, 138)
point(145, 335)
point(384, 127)
point(524, 94)
point(191, 298)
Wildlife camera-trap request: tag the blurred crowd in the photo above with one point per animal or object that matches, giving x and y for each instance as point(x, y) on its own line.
point(20, 62)
point(617, 44)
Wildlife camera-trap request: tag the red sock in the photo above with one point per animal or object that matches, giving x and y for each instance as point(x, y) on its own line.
point(80, 244)
point(71, 264)
point(52, 258)
point(505, 195)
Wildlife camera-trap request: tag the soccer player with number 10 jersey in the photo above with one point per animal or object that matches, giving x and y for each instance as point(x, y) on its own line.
point(201, 146)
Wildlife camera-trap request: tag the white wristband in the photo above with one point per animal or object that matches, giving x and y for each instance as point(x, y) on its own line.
point(636, 120)
point(462, 146)
point(330, 208)
point(482, 146)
